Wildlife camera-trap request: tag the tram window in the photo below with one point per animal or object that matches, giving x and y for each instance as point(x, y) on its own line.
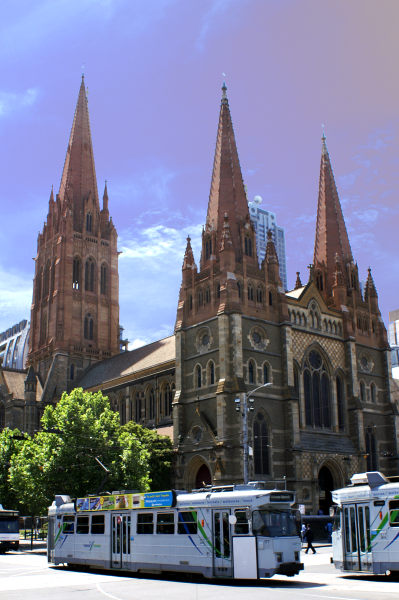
point(145, 523)
point(82, 525)
point(187, 523)
point(394, 513)
point(241, 527)
point(166, 523)
point(353, 530)
point(360, 519)
point(97, 524)
point(68, 524)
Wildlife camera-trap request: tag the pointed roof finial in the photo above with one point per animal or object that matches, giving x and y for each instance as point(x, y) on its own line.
point(224, 88)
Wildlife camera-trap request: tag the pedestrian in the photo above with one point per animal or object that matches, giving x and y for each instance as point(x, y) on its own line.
point(329, 531)
point(309, 539)
point(303, 531)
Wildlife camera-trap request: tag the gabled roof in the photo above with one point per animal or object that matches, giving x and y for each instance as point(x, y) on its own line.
point(14, 380)
point(130, 365)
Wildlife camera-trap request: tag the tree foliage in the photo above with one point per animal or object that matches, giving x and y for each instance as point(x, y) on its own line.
point(82, 449)
point(10, 443)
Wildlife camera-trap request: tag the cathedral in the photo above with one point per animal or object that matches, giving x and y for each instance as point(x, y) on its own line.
point(256, 383)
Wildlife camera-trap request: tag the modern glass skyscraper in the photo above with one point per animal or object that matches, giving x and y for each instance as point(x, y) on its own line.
point(263, 220)
point(393, 339)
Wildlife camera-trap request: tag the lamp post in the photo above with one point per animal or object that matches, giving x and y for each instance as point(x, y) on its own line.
point(245, 408)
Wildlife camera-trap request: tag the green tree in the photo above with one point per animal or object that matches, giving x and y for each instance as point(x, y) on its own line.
point(10, 444)
point(160, 449)
point(80, 433)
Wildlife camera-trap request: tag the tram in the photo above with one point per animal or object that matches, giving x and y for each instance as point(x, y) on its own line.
point(365, 536)
point(239, 531)
point(9, 530)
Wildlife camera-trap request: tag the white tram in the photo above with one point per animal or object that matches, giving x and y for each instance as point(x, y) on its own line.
point(237, 531)
point(9, 530)
point(365, 535)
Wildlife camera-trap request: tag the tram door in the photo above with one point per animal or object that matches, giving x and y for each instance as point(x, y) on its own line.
point(120, 541)
point(222, 547)
point(357, 551)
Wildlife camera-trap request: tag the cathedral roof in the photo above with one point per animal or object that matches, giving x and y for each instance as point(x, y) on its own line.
point(14, 380)
point(227, 195)
point(78, 179)
point(129, 365)
point(331, 235)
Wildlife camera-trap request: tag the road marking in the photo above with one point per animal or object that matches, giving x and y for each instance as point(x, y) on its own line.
point(98, 586)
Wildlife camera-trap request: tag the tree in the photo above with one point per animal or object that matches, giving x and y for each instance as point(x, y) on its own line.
point(10, 444)
point(160, 449)
point(81, 437)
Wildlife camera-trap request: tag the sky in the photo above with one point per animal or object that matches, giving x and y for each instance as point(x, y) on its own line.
point(154, 71)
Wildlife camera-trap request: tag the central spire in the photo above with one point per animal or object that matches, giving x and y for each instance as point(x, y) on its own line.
point(227, 195)
point(78, 181)
point(331, 242)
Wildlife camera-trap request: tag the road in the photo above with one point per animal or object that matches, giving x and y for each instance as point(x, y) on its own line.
point(27, 576)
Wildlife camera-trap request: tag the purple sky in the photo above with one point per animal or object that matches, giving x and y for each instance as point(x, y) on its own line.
point(154, 72)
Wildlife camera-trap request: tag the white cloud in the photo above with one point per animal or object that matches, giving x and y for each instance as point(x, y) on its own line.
point(14, 101)
point(15, 298)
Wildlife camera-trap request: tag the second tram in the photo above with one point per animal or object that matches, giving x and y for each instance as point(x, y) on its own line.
point(231, 532)
point(365, 535)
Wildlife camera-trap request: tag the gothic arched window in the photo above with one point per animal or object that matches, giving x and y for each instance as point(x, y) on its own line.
point(259, 294)
point(251, 372)
point(261, 445)
point(88, 329)
point(165, 396)
point(248, 246)
point(89, 222)
point(207, 295)
point(208, 248)
point(103, 279)
point(89, 275)
point(250, 292)
point(138, 408)
point(316, 384)
point(76, 273)
point(211, 373)
point(340, 403)
point(362, 391)
point(265, 373)
point(198, 376)
point(239, 287)
point(151, 403)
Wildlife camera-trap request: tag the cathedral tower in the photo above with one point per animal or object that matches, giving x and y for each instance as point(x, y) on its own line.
point(222, 311)
point(75, 308)
point(334, 271)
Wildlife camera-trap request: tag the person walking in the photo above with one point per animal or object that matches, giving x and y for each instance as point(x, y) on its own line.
point(309, 539)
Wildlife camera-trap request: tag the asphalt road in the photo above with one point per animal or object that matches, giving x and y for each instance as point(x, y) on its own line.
point(27, 576)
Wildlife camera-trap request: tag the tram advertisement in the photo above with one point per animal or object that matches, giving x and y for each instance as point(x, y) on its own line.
point(125, 501)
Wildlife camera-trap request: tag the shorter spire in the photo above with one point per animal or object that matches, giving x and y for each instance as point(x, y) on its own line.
point(271, 254)
point(370, 291)
point(298, 283)
point(105, 197)
point(188, 261)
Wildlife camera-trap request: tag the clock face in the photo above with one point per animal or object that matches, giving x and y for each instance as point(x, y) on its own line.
point(315, 359)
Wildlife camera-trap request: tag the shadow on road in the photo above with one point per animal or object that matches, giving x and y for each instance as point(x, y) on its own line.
point(288, 583)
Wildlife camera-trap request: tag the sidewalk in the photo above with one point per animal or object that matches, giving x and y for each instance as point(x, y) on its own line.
point(36, 547)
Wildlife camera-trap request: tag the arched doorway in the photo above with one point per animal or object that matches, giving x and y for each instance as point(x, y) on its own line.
point(326, 485)
point(203, 477)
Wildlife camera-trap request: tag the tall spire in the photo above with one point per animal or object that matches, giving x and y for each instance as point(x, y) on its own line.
point(227, 194)
point(78, 181)
point(331, 235)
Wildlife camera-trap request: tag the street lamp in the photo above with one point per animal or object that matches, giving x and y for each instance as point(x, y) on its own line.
point(245, 408)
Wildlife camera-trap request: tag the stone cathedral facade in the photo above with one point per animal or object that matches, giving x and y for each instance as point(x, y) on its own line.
point(329, 409)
